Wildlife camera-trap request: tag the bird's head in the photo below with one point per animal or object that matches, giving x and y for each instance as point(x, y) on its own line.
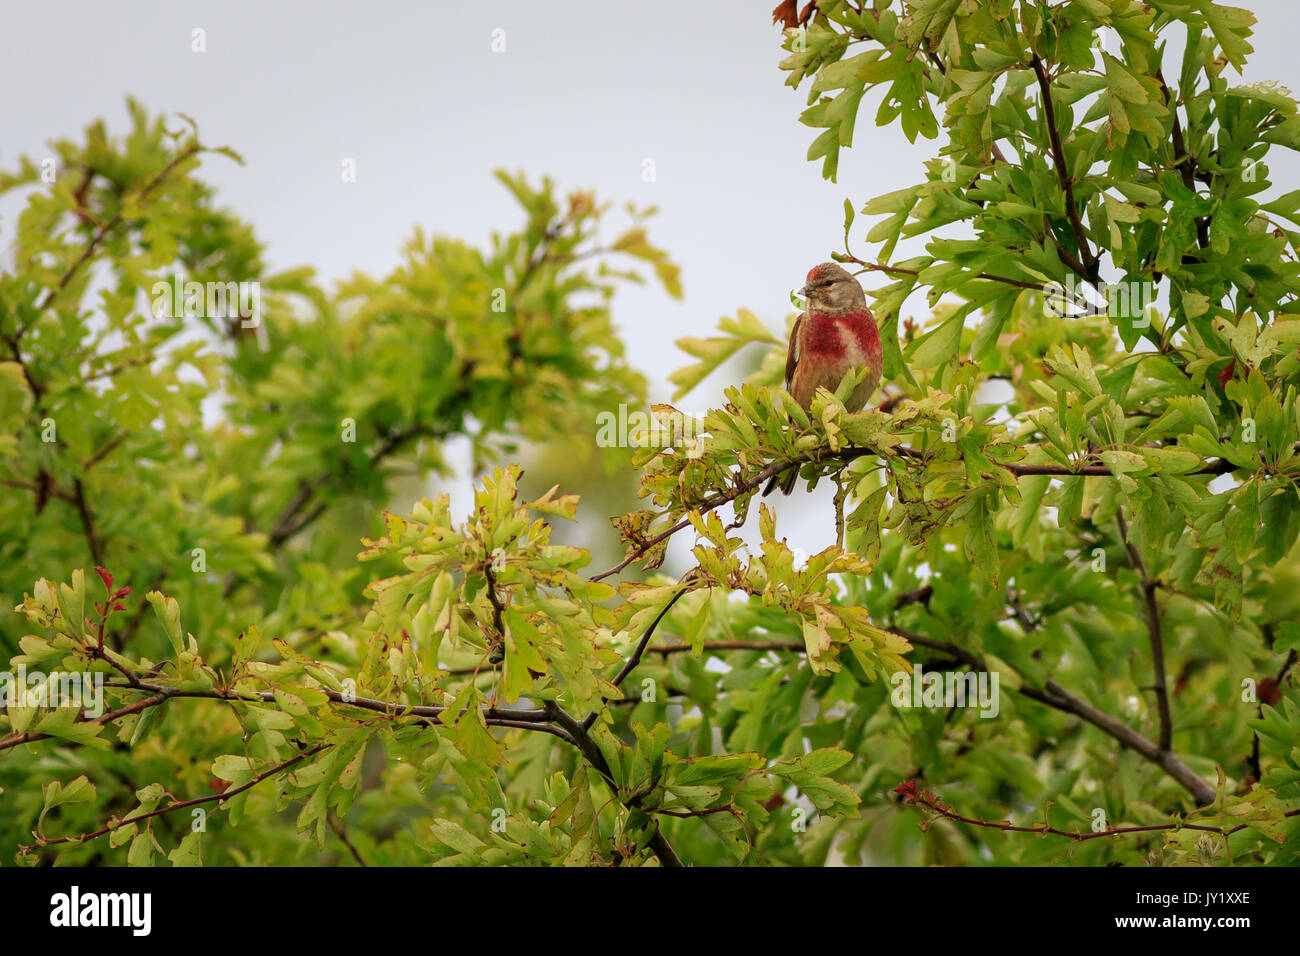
point(830, 288)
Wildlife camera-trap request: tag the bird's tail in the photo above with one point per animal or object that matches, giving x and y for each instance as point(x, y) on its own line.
point(784, 480)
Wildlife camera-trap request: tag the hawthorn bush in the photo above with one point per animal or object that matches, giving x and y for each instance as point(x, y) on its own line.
point(1077, 500)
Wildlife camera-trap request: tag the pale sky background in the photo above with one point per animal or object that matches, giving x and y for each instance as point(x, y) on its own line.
point(584, 92)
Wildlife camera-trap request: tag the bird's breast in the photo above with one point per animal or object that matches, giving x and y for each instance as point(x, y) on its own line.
point(852, 339)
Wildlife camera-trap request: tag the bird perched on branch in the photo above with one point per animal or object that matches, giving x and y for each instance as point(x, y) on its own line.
point(836, 334)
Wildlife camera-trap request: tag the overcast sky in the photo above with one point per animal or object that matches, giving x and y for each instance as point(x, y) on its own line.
point(584, 92)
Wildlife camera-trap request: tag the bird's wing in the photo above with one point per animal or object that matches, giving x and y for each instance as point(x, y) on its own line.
point(792, 354)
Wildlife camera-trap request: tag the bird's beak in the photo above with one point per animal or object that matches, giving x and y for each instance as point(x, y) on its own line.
point(806, 291)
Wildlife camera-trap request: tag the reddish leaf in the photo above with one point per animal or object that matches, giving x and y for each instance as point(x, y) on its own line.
point(790, 16)
point(786, 14)
point(1269, 692)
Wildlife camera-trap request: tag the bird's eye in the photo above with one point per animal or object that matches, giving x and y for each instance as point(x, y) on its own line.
point(827, 282)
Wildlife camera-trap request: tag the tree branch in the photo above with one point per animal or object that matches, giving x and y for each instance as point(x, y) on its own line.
point(631, 663)
point(849, 454)
point(497, 653)
point(925, 798)
point(1057, 697)
point(658, 842)
point(181, 805)
point(1153, 632)
point(760, 646)
point(161, 693)
point(155, 181)
point(1183, 160)
point(87, 522)
point(1089, 262)
point(293, 519)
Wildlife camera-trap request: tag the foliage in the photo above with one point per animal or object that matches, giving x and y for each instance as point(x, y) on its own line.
point(1112, 547)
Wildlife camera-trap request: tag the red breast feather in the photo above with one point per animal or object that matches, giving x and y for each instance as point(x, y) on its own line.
point(833, 344)
point(851, 338)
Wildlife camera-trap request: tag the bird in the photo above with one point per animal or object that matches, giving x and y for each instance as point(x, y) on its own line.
point(835, 334)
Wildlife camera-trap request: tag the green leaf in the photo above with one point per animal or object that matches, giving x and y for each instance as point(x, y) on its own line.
point(169, 614)
point(78, 790)
point(189, 852)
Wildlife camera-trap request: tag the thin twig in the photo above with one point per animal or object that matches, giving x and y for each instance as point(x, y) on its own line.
point(87, 522)
point(337, 826)
point(882, 267)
